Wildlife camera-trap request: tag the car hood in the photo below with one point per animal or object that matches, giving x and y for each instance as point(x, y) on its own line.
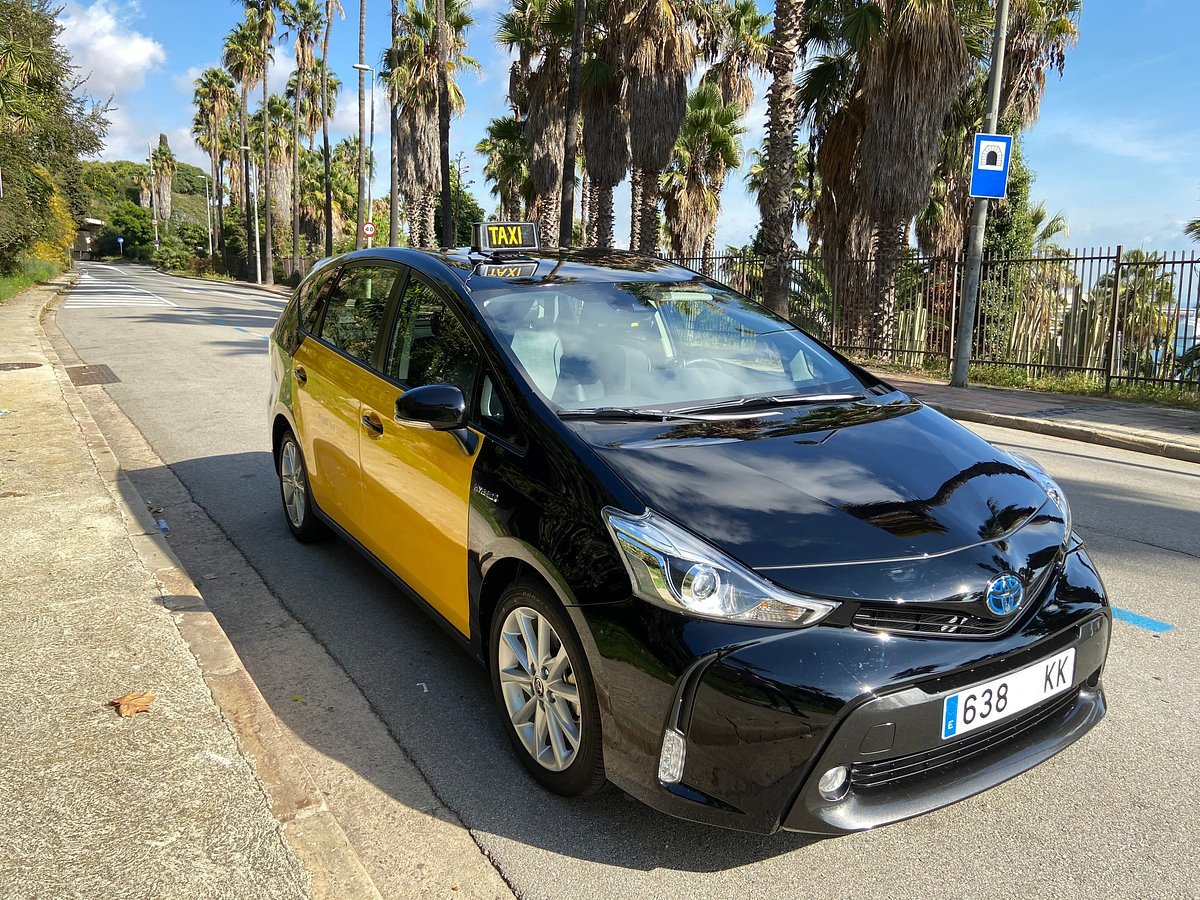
point(871, 481)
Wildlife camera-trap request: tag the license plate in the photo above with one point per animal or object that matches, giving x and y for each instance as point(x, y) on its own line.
point(1006, 696)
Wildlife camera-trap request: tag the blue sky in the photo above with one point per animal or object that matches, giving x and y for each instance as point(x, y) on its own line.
point(1117, 147)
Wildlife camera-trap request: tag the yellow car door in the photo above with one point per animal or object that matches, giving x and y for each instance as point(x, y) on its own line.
point(333, 372)
point(417, 482)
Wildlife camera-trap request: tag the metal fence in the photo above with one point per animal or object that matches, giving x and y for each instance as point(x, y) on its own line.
point(1110, 315)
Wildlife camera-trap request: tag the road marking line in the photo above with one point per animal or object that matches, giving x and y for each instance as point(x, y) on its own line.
point(265, 337)
point(1140, 621)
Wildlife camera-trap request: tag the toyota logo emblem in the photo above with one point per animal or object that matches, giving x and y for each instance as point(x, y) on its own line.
point(1004, 594)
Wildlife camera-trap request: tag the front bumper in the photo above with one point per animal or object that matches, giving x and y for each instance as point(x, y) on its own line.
point(764, 717)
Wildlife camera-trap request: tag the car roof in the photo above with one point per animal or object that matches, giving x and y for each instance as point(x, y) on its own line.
point(552, 267)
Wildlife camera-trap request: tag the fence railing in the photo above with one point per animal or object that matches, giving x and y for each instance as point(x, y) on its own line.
point(1110, 315)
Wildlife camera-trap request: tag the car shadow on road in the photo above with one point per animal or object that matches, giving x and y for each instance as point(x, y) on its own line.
point(433, 699)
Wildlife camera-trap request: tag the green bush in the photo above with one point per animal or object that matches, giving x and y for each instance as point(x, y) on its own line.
point(26, 274)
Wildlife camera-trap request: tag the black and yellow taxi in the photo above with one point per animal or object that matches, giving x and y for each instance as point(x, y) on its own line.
point(703, 556)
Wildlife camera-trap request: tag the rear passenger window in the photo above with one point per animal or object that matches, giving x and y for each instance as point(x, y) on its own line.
point(310, 309)
point(430, 345)
point(355, 310)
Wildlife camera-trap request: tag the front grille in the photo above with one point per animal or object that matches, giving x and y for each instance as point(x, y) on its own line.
point(924, 622)
point(890, 771)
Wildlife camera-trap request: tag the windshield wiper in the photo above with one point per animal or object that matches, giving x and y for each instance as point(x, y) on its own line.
point(769, 401)
point(620, 412)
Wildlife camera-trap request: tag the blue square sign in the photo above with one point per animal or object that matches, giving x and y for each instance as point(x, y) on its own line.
point(989, 166)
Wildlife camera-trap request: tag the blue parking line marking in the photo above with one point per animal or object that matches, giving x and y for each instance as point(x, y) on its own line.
point(1124, 615)
point(265, 337)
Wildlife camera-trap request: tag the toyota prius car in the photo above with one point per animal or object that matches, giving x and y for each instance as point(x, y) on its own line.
point(702, 555)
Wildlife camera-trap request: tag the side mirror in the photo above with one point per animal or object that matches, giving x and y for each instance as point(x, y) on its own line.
point(441, 407)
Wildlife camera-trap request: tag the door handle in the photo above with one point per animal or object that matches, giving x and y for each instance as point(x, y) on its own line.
point(373, 423)
point(301, 375)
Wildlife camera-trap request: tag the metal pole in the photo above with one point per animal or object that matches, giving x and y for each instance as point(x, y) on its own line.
point(979, 211)
point(208, 210)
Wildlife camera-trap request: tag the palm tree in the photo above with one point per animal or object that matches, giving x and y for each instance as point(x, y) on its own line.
point(1047, 228)
point(215, 96)
point(744, 49)
point(411, 73)
point(914, 73)
point(310, 99)
point(1192, 229)
point(804, 187)
point(332, 7)
point(775, 198)
point(394, 142)
point(709, 144)
point(659, 44)
point(242, 58)
point(273, 146)
point(261, 16)
point(507, 166)
point(165, 168)
point(1144, 303)
point(541, 40)
point(605, 122)
point(361, 215)
point(304, 19)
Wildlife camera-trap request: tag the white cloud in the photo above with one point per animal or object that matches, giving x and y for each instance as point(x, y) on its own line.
point(107, 51)
point(345, 117)
point(1144, 141)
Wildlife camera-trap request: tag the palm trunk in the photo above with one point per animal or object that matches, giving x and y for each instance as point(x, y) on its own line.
point(635, 205)
point(890, 245)
point(246, 187)
point(325, 129)
point(603, 229)
point(648, 215)
point(443, 108)
point(359, 241)
point(775, 199)
point(394, 181)
point(219, 182)
point(296, 179)
point(269, 249)
point(585, 208)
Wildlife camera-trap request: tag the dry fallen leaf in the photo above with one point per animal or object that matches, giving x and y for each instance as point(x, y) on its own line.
point(132, 703)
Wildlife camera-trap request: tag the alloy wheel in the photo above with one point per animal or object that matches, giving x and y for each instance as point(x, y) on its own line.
point(537, 680)
point(291, 478)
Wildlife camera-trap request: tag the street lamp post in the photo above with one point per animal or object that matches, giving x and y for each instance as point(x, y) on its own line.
point(252, 187)
point(370, 217)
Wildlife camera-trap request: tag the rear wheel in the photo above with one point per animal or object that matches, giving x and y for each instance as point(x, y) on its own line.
point(545, 693)
point(294, 491)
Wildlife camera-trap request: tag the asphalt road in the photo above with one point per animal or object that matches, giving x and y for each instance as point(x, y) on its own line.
point(1114, 815)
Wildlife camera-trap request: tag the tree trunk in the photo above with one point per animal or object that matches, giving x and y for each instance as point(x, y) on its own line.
point(549, 212)
point(635, 205)
point(220, 184)
point(648, 215)
point(246, 188)
point(890, 244)
point(444, 126)
point(363, 213)
point(394, 181)
point(566, 200)
point(269, 249)
point(775, 199)
point(296, 178)
point(429, 236)
point(603, 229)
point(585, 209)
point(325, 129)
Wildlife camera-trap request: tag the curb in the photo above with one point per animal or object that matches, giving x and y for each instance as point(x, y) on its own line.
point(1135, 443)
point(281, 290)
point(307, 825)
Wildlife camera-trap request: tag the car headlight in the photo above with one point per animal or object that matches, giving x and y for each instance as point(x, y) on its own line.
point(673, 568)
point(1049, 485)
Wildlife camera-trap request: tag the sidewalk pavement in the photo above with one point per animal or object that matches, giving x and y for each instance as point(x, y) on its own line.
point(1152, 428)
point(193, 798)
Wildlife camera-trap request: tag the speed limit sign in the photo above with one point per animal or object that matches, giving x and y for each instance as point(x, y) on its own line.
point(369, 229)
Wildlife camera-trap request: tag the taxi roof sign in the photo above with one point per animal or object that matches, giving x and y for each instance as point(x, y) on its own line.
point(505, 237)
point(507, 269)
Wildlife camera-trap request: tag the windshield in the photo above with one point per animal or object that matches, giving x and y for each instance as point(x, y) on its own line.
point(656, 345)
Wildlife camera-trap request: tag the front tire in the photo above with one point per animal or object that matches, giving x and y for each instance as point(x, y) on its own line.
point(294, 491)
point(545, 693)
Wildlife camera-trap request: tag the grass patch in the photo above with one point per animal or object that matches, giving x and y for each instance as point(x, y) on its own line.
point(28, 274)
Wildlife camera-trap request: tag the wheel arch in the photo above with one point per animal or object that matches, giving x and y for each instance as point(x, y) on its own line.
point(279, 425)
